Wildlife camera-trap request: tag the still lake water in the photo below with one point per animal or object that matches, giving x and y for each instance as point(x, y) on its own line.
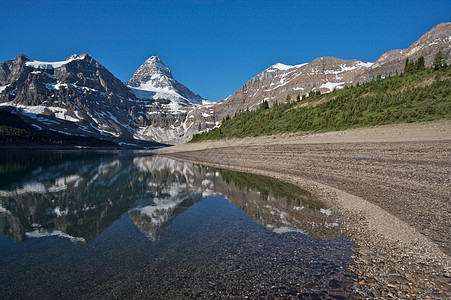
point(129, 224)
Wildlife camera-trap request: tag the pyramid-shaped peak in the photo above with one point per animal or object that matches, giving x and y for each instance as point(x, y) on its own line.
point(153, 80)
point(157, 63)
point(151, 67)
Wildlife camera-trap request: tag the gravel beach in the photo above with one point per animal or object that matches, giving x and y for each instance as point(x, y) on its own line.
point(390, 184)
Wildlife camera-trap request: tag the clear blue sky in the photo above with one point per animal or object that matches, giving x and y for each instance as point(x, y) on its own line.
point(213, 47)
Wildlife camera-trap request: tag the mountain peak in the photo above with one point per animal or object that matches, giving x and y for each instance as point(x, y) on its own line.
point(79, 57)
point(22, 57)
point(150, 68)
point(154, 59)
point(153, 80)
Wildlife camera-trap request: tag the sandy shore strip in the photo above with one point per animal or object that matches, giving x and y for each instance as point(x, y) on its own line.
point(390, 184)
point(405, 132)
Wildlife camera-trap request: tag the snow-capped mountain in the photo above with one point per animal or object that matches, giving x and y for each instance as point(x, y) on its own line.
point(173, 110)
point(153, 80)
point(79, 96)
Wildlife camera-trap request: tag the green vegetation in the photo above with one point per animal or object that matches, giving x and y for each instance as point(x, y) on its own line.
point(418, 94)
point(15, 132)
point(270, 186)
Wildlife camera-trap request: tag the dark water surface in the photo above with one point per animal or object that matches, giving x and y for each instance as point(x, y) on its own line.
point(123, 224)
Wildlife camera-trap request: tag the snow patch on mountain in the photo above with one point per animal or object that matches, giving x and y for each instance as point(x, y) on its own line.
point(332, 85)
point(283, 67)
point(61, 113)
point(344, 68)
point(58, 112)
point(52, 65)
point(2, 88)
point(172, 135)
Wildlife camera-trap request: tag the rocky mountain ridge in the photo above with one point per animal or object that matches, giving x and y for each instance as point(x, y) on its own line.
point(79, 96)
point(325, 74)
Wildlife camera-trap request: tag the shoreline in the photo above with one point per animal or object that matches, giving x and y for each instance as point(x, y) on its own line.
point(394, 257)
point(404, 132)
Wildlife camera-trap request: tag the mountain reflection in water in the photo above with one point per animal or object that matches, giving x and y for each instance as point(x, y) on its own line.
point(131, 225)
point(78, 196)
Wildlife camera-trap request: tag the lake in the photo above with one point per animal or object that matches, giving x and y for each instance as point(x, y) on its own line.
point(111, 224)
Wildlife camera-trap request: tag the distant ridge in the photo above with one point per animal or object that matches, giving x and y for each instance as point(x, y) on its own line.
point(325, 74)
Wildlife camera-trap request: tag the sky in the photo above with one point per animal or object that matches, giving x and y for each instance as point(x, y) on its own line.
point(213, 47)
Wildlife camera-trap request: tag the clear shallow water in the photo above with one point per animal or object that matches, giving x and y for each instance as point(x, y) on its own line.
point(93, 224)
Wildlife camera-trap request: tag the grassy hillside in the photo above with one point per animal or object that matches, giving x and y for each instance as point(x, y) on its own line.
point(418, 95)
point(15, 132)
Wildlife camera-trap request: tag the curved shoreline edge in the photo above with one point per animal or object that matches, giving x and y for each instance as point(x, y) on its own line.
point(392, 258)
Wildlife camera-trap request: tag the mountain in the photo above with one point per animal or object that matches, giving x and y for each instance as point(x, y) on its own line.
point(79, 96)
point(279, 80)
point(153, 80)
point(418, 94)
point(173, 114)
point(393, 62)
point(325, 74)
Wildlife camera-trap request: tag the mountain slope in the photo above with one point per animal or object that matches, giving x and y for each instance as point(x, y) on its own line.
point(419, 95)
point(15, 132)
point(325, 74)
point(279, 80)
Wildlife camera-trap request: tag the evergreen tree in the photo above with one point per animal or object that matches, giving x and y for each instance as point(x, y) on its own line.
point(407, 66)
point(288, 98)
point(439, 61)
point(420, 64)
